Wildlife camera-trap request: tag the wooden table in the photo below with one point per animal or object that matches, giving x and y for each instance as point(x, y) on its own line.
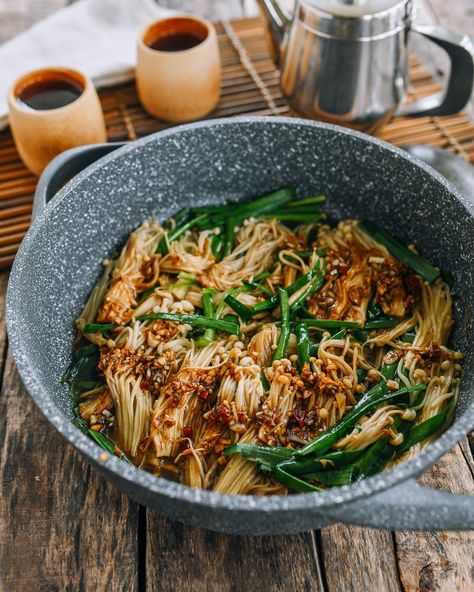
point(63, 528)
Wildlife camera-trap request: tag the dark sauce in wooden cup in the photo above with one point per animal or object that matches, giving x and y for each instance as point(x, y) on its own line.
point(49, 89)
point(175, 34)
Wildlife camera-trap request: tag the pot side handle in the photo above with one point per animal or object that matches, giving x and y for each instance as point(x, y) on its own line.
point(64, 167)
point(409, 506)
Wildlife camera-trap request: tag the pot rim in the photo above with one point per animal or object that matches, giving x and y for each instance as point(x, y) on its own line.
point(176, 491)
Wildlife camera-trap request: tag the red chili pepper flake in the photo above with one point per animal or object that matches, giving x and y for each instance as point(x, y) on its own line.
point(300, 417)
point(188, 432)
point(145, 385)
point(204, 395)
point(342, 268)
point(221, 416)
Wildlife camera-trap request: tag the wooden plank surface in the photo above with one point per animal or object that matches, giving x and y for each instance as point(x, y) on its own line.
point(62, 527)
point(440, 560)
point(358, 559)
point(202, 561)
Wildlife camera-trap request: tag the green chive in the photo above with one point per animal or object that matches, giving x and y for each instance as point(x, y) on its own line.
point(98, 327)
point(244, 312)
point(397, 250)
point(285, 332)
point(194, 319)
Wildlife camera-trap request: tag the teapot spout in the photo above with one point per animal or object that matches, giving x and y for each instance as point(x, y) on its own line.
point(276, 21)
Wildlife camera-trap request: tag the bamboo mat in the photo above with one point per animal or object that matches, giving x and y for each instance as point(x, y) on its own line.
point(250, 86)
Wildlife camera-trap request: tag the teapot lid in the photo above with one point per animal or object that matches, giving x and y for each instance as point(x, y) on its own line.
point(354, 8)
point(354, 19)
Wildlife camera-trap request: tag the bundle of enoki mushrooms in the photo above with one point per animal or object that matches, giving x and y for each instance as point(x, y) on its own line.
point(251, 348)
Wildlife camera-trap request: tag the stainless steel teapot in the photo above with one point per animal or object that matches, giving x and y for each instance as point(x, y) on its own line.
point(346, 61)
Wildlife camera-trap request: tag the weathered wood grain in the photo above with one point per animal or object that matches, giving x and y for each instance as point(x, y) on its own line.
point(357, 559)
point(62, 527)
point(467, 453)
point(439, 561)
point(3, 328)
point(196, 560)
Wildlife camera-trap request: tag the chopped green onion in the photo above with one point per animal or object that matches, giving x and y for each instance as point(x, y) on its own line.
point(427, 428)
point(83, 368)
point(177, 232)
point(181, 217)
point(87, 350)
point(146, 294)
point(374, 311)
point(98, 327)
point(183, 275)
point(228, 244)
point(244, 312)
point(209, 311)
point(313, 350)
point(302, 217)
point(269, 455)
point(336, 477)
point(408, 337)
point(315, 199)
point(303, 345)
point(247, 209)
point(262, 276)
point(330, 324)
point(361, 335)
point(382, 323)
point(303, 280)
point(216, 246)
point(321, 443)
point(250, 286)
point(293, 482)
point(101, 439)
point(285, 330)
point(380, 453)
point(194, 319)
point(397, 250)
point(313, 286)
point(305, 465)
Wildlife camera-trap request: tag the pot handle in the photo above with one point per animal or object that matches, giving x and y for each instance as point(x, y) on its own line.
point(64, 167)
point(458, 92)
point(409, 506)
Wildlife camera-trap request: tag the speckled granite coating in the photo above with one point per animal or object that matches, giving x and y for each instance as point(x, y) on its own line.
point(208, 162)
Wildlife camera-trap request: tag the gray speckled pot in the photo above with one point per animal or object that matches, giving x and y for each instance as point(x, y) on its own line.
point(208, 162)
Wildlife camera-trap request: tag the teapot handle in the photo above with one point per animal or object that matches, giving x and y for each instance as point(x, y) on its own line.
point(461, 53)
point(276, 21)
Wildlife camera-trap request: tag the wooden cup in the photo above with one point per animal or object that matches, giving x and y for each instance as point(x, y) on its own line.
point(184, 85)
point(40, 135)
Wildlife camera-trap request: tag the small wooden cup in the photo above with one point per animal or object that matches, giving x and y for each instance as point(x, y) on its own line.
point(184, 85)
point(40, 135)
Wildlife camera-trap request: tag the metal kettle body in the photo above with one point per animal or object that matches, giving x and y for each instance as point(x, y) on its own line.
point(347, 62)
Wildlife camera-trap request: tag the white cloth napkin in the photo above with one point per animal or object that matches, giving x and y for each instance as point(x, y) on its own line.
point(96, 37)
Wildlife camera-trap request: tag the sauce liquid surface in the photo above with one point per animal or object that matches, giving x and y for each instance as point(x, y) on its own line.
point(175, 42)
point(43, 95)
